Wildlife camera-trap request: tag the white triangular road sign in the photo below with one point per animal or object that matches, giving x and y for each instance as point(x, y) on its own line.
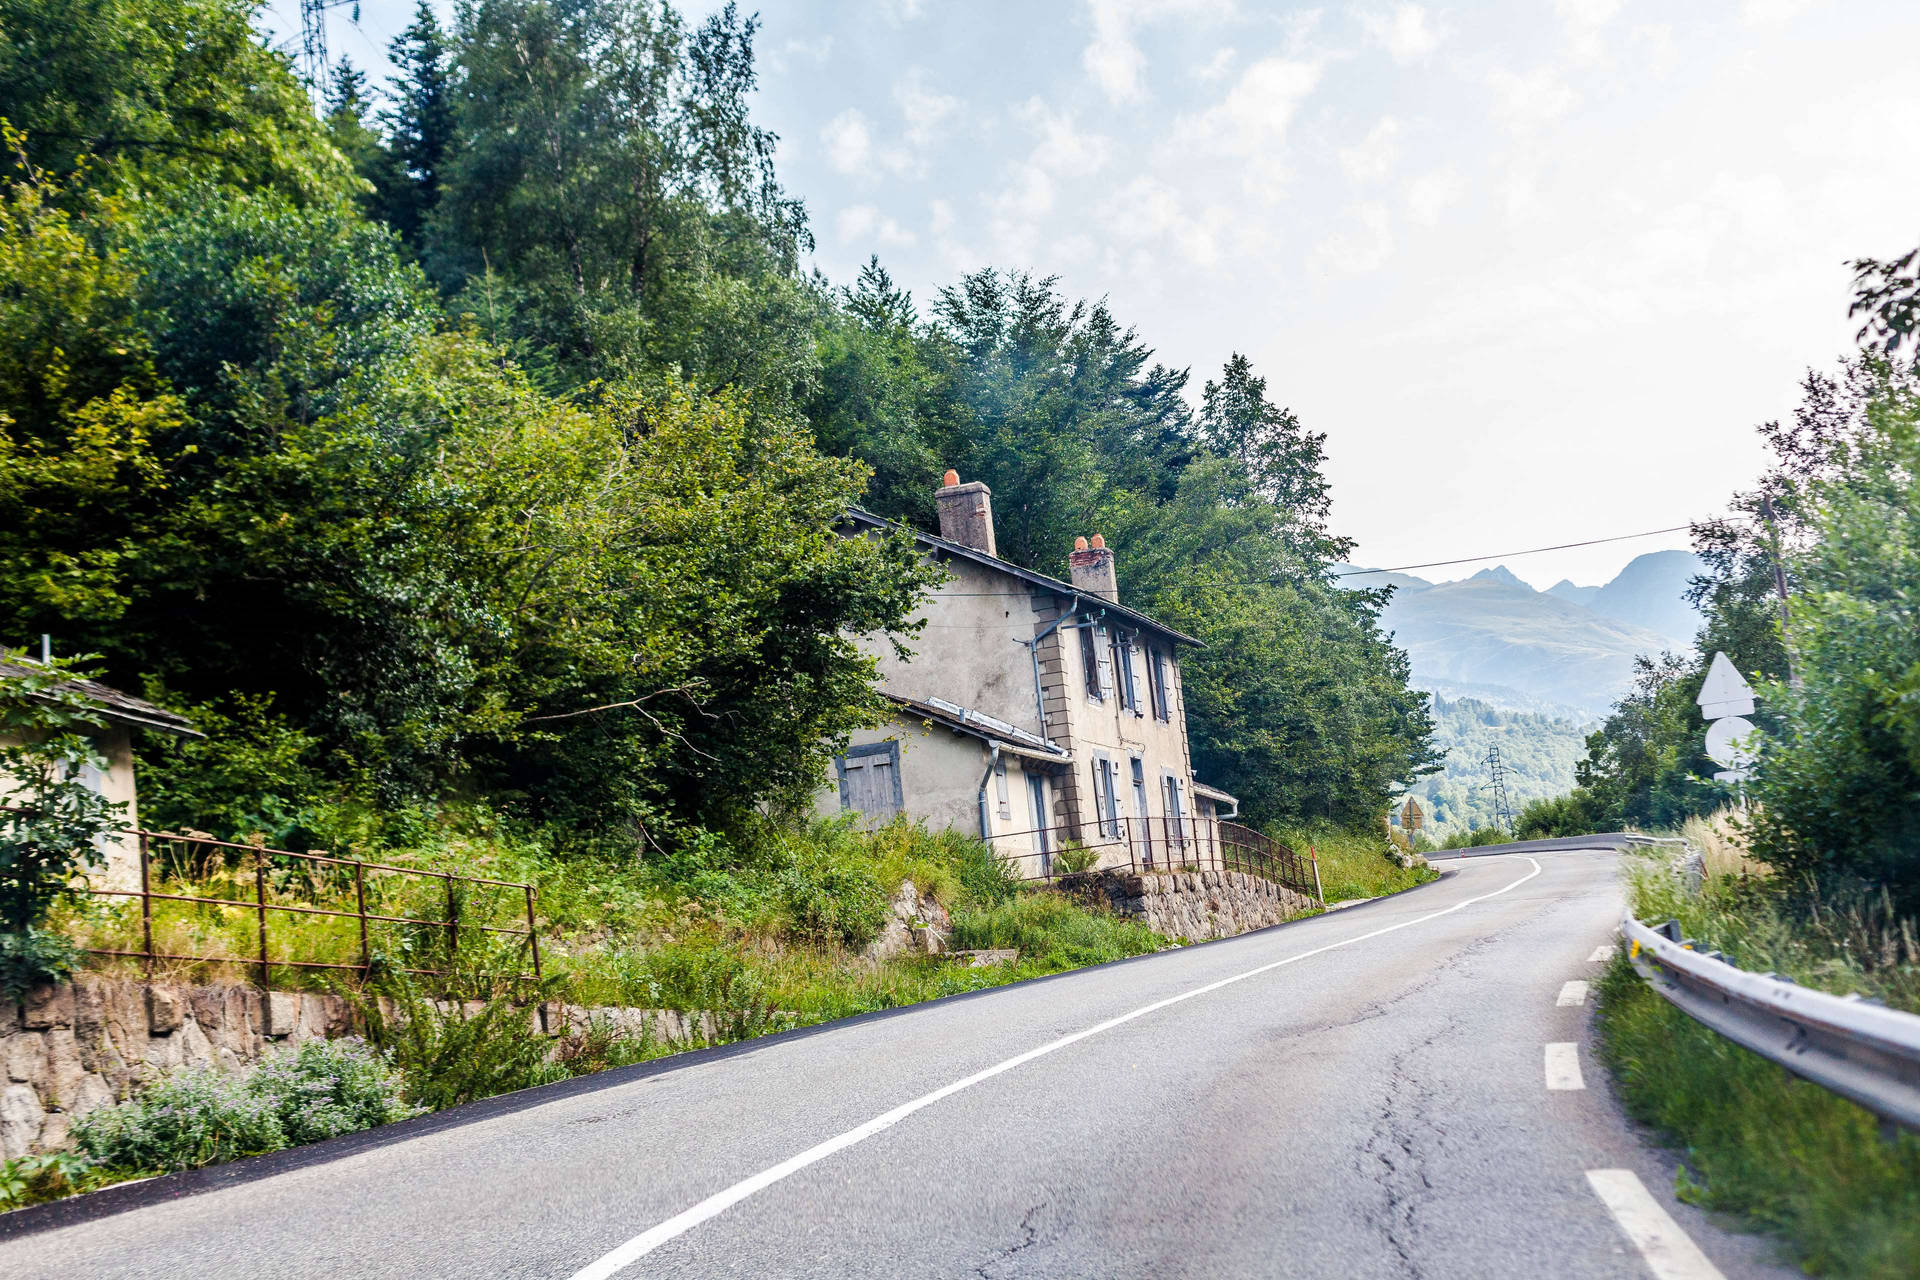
point(1725, 693)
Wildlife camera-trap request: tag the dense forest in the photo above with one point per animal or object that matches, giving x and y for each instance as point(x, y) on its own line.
point(480, 437)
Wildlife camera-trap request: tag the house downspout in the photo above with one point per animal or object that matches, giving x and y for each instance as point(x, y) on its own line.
point(986, 780)
point(1033, 651)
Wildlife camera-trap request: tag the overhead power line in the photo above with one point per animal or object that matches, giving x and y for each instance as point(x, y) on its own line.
point(1431, 564)
point(1505, 555)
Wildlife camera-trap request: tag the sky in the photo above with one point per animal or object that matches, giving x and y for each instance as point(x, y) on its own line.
point(1537, 269)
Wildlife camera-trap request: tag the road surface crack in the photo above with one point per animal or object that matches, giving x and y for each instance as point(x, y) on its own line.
point(991, 1269)
point(1393, 1154)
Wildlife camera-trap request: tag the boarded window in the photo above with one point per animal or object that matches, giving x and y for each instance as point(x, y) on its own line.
point(870, 780)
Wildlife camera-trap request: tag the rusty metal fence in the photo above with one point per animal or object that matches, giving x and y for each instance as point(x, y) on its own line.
point(295, 884)
point(1139, 845)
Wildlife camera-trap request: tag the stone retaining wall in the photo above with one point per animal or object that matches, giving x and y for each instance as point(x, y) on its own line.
point(70, 1048)
point(1195, 905)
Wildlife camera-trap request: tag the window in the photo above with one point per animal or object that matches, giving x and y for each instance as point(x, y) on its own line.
point(1157, 673)
point(870, 780)
point(1000, 785)
point(1140, 791)
point(1176, 811)
point(1106, 806)
point(1123, 668)
point(1090, 659)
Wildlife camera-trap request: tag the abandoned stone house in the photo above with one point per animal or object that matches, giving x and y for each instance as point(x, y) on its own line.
point(1032, 710)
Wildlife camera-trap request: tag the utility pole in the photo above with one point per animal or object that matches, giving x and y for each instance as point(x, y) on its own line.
point(1779, 580)
point(1503, 811)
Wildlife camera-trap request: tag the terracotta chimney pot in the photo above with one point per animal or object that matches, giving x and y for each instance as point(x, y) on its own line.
point(1079, 544)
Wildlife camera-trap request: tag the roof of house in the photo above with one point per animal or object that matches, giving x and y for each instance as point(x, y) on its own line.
point(1085, 599)
point(1213, 793)
point(111, 703)
point(980, 725)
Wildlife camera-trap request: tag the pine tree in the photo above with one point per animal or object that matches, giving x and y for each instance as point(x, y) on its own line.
point(420, 123)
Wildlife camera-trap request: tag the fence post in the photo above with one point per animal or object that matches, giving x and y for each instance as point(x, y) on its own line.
point(453, 922)
point(360, 901)
point(533, 939)
point(1314, 853)
point(260, 897)
point(146, 905)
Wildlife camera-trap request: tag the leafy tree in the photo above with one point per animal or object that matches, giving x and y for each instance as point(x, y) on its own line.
point(1282, 460)
point(159, 92)
point(607, 167)
point(387, 184)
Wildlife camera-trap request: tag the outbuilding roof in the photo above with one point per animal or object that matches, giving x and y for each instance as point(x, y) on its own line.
point(979, 724)
point(110, 702)
point(1086, 600)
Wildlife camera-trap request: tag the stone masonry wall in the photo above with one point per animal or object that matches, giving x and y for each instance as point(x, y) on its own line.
point(79, 1045)
point(76, 1046)
point(1195, 905)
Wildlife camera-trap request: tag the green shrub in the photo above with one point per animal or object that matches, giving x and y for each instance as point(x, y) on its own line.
point(29, 1180)
point(1574, 814)
point(202, 1116)
point(194, 1117)
point(448, 1053)
point(1072, 857)
point(1052, 930)
point(329, 1087)
point(34, 956)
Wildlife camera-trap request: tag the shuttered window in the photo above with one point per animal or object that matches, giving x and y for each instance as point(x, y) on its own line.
point(870, 780)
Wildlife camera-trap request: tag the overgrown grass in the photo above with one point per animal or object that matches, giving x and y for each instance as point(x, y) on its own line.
point(1354, 864)
point(1792, 1158)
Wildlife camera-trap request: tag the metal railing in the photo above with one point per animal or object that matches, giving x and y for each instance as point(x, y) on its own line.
point(294, 884)
point(1859, 1049)
point(1160, 845)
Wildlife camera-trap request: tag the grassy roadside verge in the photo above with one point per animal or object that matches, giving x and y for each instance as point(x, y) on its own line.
point(1354, 864)
point(1782, 1154)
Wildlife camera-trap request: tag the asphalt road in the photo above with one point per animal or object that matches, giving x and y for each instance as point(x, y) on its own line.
point(1363, 1094)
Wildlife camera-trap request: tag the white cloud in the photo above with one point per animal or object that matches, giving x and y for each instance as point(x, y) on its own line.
point(1148, 211)
point(849, 143)
point(1770, 13)
point(1524, 103)
point(794, 52)
point(1431, 194)
point(1250, 123)
point(1217, 66)
point(1364, 244)
point(1656, 49)
point(1405, 31)
point(1371, 159)
point(1587, 13)
point(1114, 59)
point(864, 222)
point(925, 109)
point(1063, 148)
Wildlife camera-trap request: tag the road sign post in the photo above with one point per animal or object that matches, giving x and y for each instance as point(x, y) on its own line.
point(1726, 700)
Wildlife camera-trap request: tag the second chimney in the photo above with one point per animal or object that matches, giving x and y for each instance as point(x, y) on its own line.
point(966, 513)
point(1091, 568)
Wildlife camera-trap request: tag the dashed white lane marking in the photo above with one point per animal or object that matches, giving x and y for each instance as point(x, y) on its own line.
point(1563, 1066)
point(1668, 1251)
point(1601, 954)
point(1572, 993)
point(647, 1241)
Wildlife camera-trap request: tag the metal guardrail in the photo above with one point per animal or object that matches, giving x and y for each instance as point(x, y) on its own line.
point(1857, 1048)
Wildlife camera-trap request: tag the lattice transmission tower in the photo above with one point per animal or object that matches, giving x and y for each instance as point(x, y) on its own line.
point(1503, 810)
point(313, 38)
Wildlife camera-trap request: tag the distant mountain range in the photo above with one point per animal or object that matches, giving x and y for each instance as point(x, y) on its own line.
point(1568, 650)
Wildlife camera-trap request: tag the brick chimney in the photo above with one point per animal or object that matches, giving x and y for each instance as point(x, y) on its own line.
point(1091, 568)
point(966, 513)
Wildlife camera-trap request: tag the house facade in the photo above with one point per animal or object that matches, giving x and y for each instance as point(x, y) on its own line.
point(1033, 711)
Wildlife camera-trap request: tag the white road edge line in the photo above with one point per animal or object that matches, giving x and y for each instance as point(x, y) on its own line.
point(1601, 954)
point(647, 1241)
point(1572, 993)
point(1669, 1252)
point(1563, 1066)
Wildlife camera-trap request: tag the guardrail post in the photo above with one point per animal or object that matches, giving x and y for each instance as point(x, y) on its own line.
point(1313, 852)
point(260, 897)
